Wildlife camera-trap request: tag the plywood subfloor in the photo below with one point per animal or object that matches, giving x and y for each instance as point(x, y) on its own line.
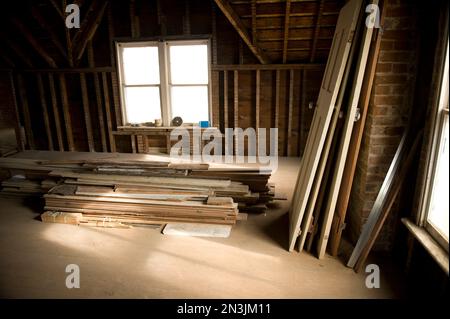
point(142, 263)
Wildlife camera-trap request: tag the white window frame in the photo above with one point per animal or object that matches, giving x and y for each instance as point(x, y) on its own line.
point(164, 75)
point(441, 116)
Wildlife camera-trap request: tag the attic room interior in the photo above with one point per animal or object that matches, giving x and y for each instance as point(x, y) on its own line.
point(225, 149)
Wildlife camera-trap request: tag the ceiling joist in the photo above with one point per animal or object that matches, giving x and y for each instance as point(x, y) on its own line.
point(236, 22)
point(286, 30)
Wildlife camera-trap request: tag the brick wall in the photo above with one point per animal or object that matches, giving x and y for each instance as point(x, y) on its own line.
point(389, 106)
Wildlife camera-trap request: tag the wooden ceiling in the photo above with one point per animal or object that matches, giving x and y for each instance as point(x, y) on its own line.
point(287, 30)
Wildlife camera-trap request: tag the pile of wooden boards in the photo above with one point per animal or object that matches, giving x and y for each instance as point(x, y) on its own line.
point(328, 165)
point(115, 193)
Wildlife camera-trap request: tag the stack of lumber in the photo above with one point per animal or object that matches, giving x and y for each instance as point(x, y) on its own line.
point(20, 185)
point(246, 186)
point(129, 206)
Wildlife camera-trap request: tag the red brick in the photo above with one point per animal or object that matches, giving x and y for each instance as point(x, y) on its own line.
point(388, 100)
point(391, 79)
point(384, 67)
point(382, 89)
point(395, 56)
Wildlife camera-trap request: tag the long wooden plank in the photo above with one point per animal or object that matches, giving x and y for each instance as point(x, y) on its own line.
point(87, 112)
point(380, 212)
point(44, 111)
point(145, 179)
point(26, 111)
point(66, 112)
point(345, 141)
point(225, 98)
point(267, 67)
point(328, 93)
point(112, 147)
point(286, 30)
point(59, 137)
point(257, 105)
point(236, 106)
point(355, 143)
point(290, 112)
point(115, 94)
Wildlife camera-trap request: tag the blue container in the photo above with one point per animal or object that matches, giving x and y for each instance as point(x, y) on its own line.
point(203, 124)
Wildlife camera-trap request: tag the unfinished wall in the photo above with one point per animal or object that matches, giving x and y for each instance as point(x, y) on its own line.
point(126, 20)
point(389, 107)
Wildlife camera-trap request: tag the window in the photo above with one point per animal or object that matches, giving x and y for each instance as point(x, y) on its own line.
point(436, 209)
point(162, 80)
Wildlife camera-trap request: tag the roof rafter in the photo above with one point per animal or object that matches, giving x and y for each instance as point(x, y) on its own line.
point(236, 22)
point(316, 32)
point(286, 29)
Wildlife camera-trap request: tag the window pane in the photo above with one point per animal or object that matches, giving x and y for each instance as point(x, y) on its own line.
point(190, 103)
point(189, 64)
point(140, 65)
point(439, 208)
point(142, 104)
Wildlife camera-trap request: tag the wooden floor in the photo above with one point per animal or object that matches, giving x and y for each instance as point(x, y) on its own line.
point(143, 263)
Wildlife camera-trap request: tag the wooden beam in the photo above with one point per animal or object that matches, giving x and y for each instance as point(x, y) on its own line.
point(101, 122)
point(89, 32)
point(257, 104)
point(33, 42)
point(71, 70)
point(116, 100)
point(44, 110)
point(26, 111)
point(134, 21)
point(252, 67)
point(236, 22)
point(277, 98)
point(50, 31)
point(214, 32)
point(316, 32)
point(236, 106)
point(86, 111)
point(108, 112)
point(66, 112)
point(286, 30)
point(290, 111)
point(17, 127)
point(55, 112)
point(225, 98)
point(253, 9)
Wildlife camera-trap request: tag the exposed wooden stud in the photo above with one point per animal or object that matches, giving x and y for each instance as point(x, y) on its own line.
point(257, 104)
point(236, 22)
point(290, 112)
point(225, 99)
point(133, 143)
point(133, 18)
point(66, 112)
point(236, 105)
point(277, 98)
point(98, 97)
point(44, 111)
point(316, 32)
point(87, 114)
point(50, 31)
point(253, 9)
point(33, 42)
point(300, 114)
point(111, 35)
point(161, 18)
point(108, 112)
point(55, 112)
point(25, 111)
point(214, 32)
point(302, 111)
point(286, 30)
point(115, 92)
point(186, 18)
point(17, 127)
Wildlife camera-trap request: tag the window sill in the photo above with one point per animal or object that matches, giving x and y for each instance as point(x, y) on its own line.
point(430, 245)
